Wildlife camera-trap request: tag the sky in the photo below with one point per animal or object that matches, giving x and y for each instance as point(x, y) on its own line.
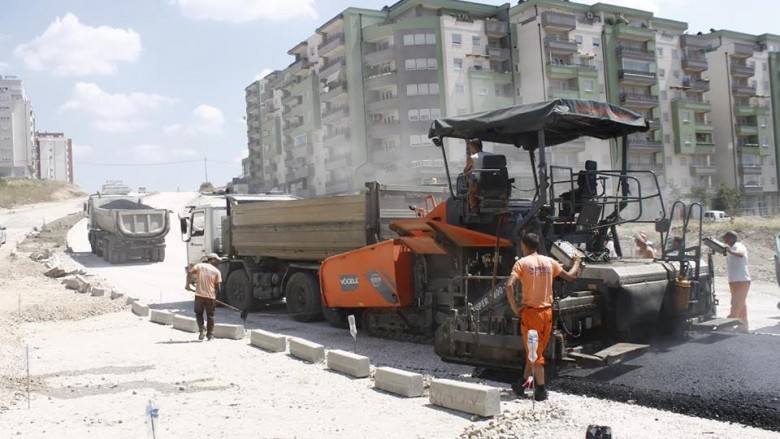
point(148, 89)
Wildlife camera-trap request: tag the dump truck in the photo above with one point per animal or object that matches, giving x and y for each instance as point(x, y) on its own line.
point(121, 228)
point(272, 245)
point(439, 278)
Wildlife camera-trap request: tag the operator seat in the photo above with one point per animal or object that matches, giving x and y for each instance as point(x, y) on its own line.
point(492, 183)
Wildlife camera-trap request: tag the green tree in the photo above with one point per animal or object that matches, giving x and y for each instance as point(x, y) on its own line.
point(699, 195)
point(728, 198)
point(206, 186)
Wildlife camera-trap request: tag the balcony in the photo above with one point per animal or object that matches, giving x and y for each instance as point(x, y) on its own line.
point(638, 32)
point(638, 100)
point(498, 53)
point(637, 77)
point(693, 103)
point(741, 109)
point(644, 145)
point(383, 104)
point(703, 170)
point(643, 166)
point(267, 95)
point(569, 71)
point(336, 136)
point(695, 41)
point(298, 66)
point(654, 123)
point(559, 21)
point(330, 44)
point(753, 189)
point(334, 89)
point(696, 85)
point(332, 67)
point(744, 147)
point(380, 79)
point(703, 126)
point(694, 63)
point(751, 169)
point(334, 113)
point(379, 56)
point(746, 129)
point(555, 45)
point(563, 93)
point(292, 100)
point(384, 129)
point(496, 28)
point(303, 150)
point(633, 52)
point(739, 70)
point(743, 50)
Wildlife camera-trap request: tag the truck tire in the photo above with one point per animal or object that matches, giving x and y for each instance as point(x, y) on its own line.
point(161, 254)
point(114, 256)
point(302, 294)
point(121, 256)
point(106, 251)
point(238, 291)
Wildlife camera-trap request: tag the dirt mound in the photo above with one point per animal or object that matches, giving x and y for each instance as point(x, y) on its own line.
point(125, 204)
point(16, 192)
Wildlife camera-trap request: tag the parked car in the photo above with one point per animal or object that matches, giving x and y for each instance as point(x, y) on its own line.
point(2, 235)
point(716, 215)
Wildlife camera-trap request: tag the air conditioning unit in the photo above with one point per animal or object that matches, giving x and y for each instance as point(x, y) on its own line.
point(589, 15)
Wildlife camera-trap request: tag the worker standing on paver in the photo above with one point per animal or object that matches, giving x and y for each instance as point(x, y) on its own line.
point(536, 273)
point(738, 276)
point(207, 281)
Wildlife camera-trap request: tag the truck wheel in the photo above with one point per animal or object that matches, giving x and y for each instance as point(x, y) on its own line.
point(336, 317)
point(302, 294)
point(160, 254)
point(121, 256)
point(106, 251)
point(239, 291)
point(114, 255)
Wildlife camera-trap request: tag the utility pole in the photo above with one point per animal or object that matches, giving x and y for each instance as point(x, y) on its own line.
point(206, 168)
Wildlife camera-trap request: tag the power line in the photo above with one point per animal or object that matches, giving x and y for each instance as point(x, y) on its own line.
point(180, 162)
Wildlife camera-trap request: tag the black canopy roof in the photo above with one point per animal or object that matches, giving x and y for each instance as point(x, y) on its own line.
point(561, 119)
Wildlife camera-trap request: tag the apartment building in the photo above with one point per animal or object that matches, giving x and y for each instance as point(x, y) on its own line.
point(357, 100)
point(17, 130)
point(743, 102)
point(54, 157)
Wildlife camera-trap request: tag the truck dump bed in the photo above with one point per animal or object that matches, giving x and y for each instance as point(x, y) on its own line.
point(129, 218)
point(314, 229)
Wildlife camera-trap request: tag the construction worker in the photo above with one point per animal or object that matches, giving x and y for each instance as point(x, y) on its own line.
point(536, 273)
point(474, 161)
point(207, 281)
point(738, 276)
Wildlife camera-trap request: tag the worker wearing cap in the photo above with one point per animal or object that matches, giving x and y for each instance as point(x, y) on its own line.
point(739, 277)
point(536, 273)
point(207, 281)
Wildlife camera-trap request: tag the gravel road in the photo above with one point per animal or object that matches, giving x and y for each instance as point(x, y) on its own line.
point(95, 370)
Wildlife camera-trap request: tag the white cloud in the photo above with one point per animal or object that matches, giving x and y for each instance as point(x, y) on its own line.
point(150, 153)
point(263, 73)
point(205, 120)
point(81, 151)
point(68, 47)
point(114, 112)
point(240, 11)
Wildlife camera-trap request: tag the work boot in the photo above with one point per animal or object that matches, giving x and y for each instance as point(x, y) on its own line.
point(210, 337)
point(202, 334)
point(519, 388)
point(541, 393)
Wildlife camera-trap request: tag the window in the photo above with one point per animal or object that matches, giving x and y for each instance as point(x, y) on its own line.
point(425, 114)
point(430, 38)
point(408, 40)
point(483, 91)
point(588, 85)
point(666, 117)
point(456, 39)
point(433, 88)
point(410, 64)
point(661, 73)
point(433, 64)
point(458, 63)
point(435, 113)
point(667, 139)
point(422, 63)
point(414, 115)
point(422, 89)
point(578, 39)
point(675, 54)
point(419, 39)
point(411, 89)
point(663, 95)
point(676, 74)
point(686, 116)
point(459, 89)
point(688, 139)
point(415, 140)
point(659, 51)
point(476, 41)
point(596, 41)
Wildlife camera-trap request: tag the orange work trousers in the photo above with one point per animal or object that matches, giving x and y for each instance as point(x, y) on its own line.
point(739, 291)
point(539, 319)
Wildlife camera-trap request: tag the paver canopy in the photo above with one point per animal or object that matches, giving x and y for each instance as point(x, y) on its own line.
point(561, 119)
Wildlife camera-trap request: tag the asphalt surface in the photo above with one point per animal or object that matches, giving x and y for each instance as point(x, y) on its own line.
point(728, 377)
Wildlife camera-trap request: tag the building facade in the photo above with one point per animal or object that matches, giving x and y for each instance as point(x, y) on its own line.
point(356, 103)
point(54, 157)
point(17, 130)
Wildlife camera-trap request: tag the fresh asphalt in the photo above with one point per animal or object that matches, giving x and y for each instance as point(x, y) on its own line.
point(722, 376)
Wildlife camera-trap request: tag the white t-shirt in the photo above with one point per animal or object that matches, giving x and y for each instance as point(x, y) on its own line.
point(736, 267)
